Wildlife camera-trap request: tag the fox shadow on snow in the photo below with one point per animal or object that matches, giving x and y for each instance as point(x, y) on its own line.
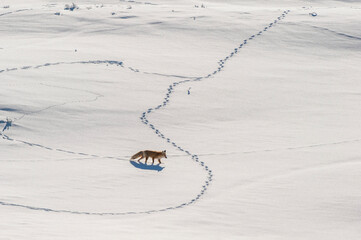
point(146, 166)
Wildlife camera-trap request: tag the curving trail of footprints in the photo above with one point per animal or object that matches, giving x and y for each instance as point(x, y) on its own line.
point(111, 62)
point(6, 137)
point(16, 11)
point(166, 100)
point(158, 74)
point(144, 119)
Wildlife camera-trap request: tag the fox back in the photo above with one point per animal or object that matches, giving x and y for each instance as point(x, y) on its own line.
point(155, 154)
point(149, 153)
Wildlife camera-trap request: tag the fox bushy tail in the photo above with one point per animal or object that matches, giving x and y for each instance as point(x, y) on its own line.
point(137, 155)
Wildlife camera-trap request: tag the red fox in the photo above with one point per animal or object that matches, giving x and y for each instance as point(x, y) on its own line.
point(147, 153)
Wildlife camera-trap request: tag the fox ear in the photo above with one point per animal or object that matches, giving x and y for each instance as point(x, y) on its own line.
point(164, 151)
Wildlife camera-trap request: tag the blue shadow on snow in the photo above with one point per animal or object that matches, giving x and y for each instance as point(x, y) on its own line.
point(146, 166)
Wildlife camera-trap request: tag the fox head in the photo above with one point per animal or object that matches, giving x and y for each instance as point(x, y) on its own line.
point(164, 153)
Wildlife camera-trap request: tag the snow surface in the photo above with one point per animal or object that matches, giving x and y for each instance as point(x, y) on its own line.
point(256, 102)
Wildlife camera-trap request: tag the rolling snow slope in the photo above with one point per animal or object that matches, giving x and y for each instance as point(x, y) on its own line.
point(265, 145)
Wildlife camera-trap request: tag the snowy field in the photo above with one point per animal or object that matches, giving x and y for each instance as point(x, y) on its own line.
point(258, 104)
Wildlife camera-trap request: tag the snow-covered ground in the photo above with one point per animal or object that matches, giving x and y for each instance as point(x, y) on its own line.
point(258, 104)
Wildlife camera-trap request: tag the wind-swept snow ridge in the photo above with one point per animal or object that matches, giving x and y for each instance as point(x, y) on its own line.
point(341, 34)
point(337, 33)
point(97, 95)
point(144, 119)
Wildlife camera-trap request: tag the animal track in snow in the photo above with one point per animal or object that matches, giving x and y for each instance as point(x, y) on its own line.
point(16, 11)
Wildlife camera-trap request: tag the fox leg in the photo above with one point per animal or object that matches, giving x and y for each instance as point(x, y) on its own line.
point(159, 161)
point(153, 161)
point(146, 159)
point(140, 158)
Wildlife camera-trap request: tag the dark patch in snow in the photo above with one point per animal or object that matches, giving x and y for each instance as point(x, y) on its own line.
point(8, 124)
point(127, 17)
point(71, 7)
point(6, 109)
